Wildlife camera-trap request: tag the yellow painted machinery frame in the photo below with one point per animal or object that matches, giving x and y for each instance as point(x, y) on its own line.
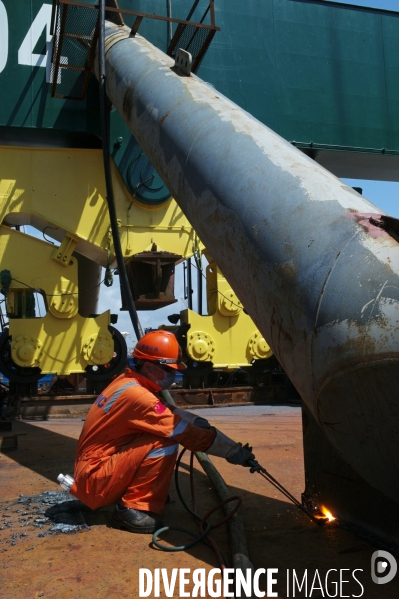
point(227, 337)
point(62, 192)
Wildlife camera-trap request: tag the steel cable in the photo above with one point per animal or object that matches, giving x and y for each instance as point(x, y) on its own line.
point(108, 177)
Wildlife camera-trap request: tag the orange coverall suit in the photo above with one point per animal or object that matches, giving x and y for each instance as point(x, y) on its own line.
point(128, 446)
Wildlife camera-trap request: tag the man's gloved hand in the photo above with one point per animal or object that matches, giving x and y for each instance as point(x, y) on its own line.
point(241, 457)
point(233, 452)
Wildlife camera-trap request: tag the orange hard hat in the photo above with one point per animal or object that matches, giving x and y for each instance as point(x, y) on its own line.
point(160, 347)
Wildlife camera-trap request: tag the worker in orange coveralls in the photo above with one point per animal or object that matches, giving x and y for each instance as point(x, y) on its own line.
point(129, 442)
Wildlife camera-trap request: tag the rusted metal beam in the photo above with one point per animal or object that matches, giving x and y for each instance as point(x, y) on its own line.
point(136, 25)
point(41, 406)
point(217, 396)
point(174, 39)
point(115, 17)
point(212, 7)
point(159, 18)
point(139, 14)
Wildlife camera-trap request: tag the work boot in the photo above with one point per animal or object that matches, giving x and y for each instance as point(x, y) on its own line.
point(135, 520)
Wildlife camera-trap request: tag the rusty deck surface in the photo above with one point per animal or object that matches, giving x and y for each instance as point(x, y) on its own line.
point(104, 563)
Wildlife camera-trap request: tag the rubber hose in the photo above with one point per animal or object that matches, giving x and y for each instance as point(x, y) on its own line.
point(238, 538)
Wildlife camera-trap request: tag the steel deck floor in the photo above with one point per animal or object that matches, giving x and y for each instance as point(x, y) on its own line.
point(104, 563)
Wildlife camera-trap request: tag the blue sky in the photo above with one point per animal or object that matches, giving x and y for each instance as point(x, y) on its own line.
point(383, 194)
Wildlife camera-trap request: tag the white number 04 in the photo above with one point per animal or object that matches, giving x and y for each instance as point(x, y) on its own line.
point(25, 52)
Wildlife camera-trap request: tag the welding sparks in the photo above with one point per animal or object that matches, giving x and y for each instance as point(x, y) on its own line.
point(327, 514)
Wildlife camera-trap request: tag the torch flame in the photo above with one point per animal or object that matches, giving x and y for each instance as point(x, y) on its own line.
point(327, 513)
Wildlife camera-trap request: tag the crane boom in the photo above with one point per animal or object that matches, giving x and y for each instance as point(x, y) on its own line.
point(313, 262)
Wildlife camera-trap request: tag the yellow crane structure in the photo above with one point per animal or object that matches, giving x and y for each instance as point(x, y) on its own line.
point(61, 192)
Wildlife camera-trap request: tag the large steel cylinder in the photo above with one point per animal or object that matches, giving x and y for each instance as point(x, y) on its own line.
point(318, 278)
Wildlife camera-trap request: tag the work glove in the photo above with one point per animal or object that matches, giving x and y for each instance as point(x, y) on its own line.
point(233, 452)
point(242, 455)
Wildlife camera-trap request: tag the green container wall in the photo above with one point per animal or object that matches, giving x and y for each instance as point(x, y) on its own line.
point(313, 71)
point(24, 92)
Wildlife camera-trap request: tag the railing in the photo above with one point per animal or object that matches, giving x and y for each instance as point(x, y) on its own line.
point(74, 26)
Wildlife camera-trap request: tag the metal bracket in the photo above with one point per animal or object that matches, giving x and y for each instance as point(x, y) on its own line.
point(183, 62)
point(136, 25)
point(64, 253)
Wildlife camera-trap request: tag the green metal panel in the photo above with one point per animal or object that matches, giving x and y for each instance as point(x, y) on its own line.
point(313, 71)
point(332, 75)
point(25, 97)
